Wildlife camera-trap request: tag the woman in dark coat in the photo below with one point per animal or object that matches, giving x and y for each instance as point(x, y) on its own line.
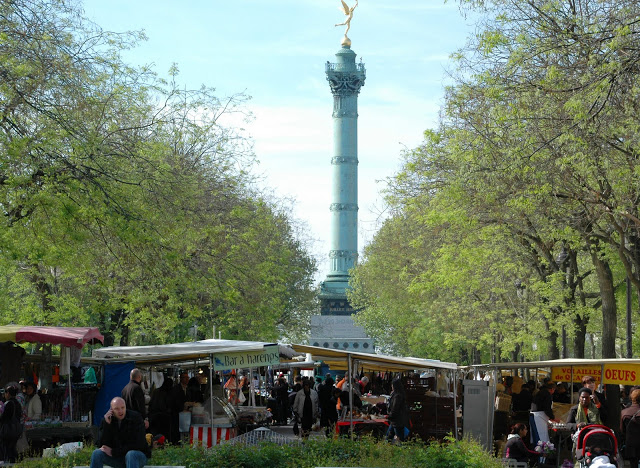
point(10, 426)
point(194, 392)
point(398, 412)
point(160, 409)
point(516, 448)
point(328, 413)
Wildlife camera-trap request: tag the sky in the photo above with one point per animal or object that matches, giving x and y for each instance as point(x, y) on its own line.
point(275, 51)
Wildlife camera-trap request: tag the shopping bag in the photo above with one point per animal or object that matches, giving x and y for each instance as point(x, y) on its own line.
point(23, 444)
point(184, 421)
point(241, 397)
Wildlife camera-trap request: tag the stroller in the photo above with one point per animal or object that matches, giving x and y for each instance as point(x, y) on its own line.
point(595, 441)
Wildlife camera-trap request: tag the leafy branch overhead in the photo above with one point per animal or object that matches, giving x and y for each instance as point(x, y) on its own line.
point(127, 199)
point(524, 201)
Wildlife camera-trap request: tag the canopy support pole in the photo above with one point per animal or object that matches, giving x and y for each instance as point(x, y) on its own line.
point(211, 391)
point(350, 382)
point(252, 393)
point(571, 387)
point(67, 351)
point(454, 381)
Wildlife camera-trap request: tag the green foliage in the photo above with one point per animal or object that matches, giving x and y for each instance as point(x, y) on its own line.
point(126, 198)
point(535, 160)
point(313, 453)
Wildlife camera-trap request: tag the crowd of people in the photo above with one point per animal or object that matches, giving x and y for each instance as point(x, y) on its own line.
point(308, 403)
point(591, 409)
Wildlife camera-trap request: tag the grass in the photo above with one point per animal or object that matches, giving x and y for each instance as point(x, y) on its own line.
point(313, 453)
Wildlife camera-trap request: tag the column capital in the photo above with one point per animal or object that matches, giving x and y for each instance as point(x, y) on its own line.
point(345, 83)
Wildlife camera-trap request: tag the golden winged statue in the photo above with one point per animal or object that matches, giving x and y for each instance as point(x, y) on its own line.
point(349, 13)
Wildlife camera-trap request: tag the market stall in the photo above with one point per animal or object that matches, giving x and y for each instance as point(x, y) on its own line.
point(624, 372)
point(432, 414)
point(216, 420)
point(66, 409)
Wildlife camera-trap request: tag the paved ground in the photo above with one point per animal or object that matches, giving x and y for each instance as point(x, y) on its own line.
point(287, 431)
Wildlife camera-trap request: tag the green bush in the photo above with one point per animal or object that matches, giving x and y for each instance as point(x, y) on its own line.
point(313, 453)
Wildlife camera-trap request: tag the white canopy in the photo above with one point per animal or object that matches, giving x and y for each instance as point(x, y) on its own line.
point(191, 350)
point(337, 359)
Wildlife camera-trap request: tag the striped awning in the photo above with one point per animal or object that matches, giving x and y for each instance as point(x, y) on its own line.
point(66, 336)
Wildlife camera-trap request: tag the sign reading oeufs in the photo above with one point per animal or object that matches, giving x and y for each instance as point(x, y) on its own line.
point(268, 356)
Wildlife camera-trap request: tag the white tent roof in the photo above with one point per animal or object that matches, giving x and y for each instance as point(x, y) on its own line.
point(187, 351)
point(336, 359)
point(566, 362)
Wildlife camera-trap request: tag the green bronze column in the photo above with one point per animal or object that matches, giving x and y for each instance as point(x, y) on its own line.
point(334, 327)
point(345, 80)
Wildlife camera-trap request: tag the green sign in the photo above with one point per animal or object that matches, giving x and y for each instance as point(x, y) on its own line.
point(269, 356)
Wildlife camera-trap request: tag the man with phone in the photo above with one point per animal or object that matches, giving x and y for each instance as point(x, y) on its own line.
point(122, 439)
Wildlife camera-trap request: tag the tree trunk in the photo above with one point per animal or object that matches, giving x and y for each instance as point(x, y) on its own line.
point(607, 295)
point(553, 352)
point(124, 338)
point(579, 339)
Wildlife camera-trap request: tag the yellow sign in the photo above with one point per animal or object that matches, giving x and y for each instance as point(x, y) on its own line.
point(563, 374)
point(622, 374)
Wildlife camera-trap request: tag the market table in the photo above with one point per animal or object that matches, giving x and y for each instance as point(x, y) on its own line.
point(41, 437)
point(374, 427)
point(374, 399)
point(560, 435)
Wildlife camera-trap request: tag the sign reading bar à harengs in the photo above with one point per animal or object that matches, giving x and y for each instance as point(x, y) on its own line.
point(268, 356)
point(618, 373)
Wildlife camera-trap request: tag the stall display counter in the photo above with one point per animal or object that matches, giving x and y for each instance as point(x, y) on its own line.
point(374, 399)
point(560, 435)
point(201, 435)
point(376, 428)
point(432, 416)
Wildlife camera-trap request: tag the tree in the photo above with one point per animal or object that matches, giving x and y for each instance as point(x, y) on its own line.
point(127, 202)
point(537, 143)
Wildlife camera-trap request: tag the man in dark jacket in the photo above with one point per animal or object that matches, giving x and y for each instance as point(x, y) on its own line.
point(122, 438)
point(133, 395)
point(177, 399)
point(631, 430)
point(398, 412)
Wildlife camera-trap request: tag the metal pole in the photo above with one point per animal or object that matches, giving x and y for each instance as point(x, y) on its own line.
point(211, 392)
point(252, 393)
point(350, 381)
point(629, 332)
point(455, 405)
point(602, 376)
point(67, 351)
point(571, 386)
